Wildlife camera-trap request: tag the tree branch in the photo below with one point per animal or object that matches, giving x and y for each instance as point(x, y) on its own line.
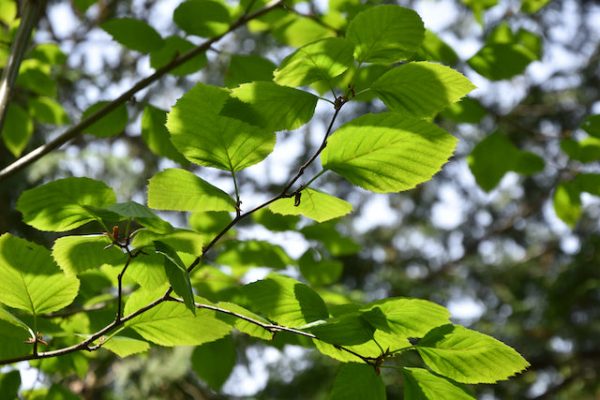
point(78, 129)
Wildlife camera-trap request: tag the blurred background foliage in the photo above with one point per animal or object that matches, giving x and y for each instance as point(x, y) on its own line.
point(506, 235)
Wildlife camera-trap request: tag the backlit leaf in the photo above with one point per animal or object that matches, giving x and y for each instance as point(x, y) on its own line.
point(63, 205)
point(134, 34)
point(316, 61)
point(313, 204)
point(180, 190)
point(387, 152)
point(75, 254)
point(203, 18)
point(385, 34)
point(111, 124)
point(421, 89)
point(357, 382)
point(468, 356)
point(420, 384)
point(30, 280)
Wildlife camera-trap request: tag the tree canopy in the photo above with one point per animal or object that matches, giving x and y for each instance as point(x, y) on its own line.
point(299, 199)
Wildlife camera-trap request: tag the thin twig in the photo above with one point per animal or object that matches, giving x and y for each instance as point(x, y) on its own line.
point(79, 128)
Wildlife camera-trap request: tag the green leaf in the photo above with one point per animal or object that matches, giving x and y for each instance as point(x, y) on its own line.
point(248, 68)
point(182, 240)
point(134, 34)
point(405, 317)
point(387, 152)
point(47, 111)
point(285, 301)
point(177, 273)
point(10, 381)
point(130, 210)
point(296, 31)
point(327, 235)
point(213, 362)
point(586, 150)
point(8, 11)
point(533, 6)
point(357, 382)
point(347, 329)
point(319, 271)
point(63, 205)
point(592, 125)
point(17, 129)
point(567, 203)
point(253, 253)
point(435, 49)
point(13, 340)
point(321, 60)
point(148, 271)
point(467, 110)
point(468, 356)
point(421, 89)
point(111, 124)
point(270, 106)
point(495, 155)
point(479, 6)
point(203, 18)
point(385, 34)
point(206, 138)
point(156, 135)
point(11, 319)
point(589, 183)
point(49, 53)
point(175, 46)
point(180, 190)
point(30, 280)
point(76, 254)
point(209, 223)
point(241, 325)
point(420, 384)
point(35, 76)
point(171, 324)
point(313, 204)
point(498, 61)
point(124, 346)
point(276, 222)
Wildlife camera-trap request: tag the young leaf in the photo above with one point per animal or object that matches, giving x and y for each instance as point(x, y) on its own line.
point(567, 203)
point(30, 280)
point(213, 362)
point(156, 135)
point(206, 138)
point(435, 49)
point(171, 324)
point(327, 235)
point(468, 356)
point(124, 346)
point(111, 124)
point(10, 382)
point(134, 34)
point(387, 152)
point(313, 204)
point(533, 6)
point(75, 254)
point(253, 253)
point(385, 34)
point(421, 89)
point(177, 273)
point(148, 271)
point(592, 125)
point(248, 68)
point(173, 47)
point(270, 106)
point(241, 325)
point(182, 240)
point(48, 111)
point(64, 204)
point(357, 382)
point(180, 190)
point(203, 18)
point(321, 60)
point(17, 129)
point(285, 300)
point(420, 384)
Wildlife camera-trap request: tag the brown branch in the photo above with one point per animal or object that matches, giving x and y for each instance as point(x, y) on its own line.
point(78, 129)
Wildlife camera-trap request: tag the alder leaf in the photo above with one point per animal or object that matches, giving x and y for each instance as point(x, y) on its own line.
point(357, 382)
point(420, 384)
point(313, 204)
